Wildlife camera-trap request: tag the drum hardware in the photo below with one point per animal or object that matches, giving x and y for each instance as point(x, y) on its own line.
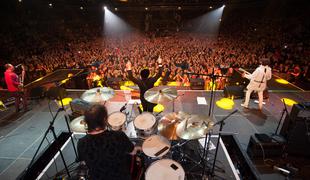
point(160, 95)
point(173, 101)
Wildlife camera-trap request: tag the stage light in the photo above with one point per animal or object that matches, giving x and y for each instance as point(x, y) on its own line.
point(289, 102)
point(146, 8)
point(179, 8)
point(282, 81)
point(225, 103)
point(116, 9)
point(129, 83)
point(158, 108)
point(81, 8)
point(126, 88)
point(210, 7)
point(220, 19)
point(105, 7)
point(50, 5)
point(224, 6)
point(65, 101)
point(20, 1)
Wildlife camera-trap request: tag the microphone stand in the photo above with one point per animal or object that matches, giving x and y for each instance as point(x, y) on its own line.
point(50, 128)
point(221, 122)
point(281, 118)
point(211, 107)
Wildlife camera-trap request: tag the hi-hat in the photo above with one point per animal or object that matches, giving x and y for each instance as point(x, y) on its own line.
point(160, 94)
point(78, 125)
point(168, 124)
point(195, 126)
point(97, 95)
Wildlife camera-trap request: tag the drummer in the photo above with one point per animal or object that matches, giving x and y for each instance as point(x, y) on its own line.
point(106, 153)
point(145, 83)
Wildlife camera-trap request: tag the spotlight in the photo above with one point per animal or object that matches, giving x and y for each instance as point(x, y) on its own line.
point(179, 8)
point(81, 8)
point(146, 8)
point(105, 7)
point(223, 6)
point(210, 7)
point(116, 9)
point(50, 5)
point(220, 19)
point(20, 1)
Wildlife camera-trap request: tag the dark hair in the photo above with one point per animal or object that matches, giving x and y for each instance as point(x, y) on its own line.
point(145, 73)
point(265, 61)
point(96, 117)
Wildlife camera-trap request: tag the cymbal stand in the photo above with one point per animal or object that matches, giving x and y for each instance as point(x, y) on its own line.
point(183, 154)
point(173, 102)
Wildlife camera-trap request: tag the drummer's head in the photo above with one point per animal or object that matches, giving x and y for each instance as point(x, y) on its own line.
point(144, 73)
point(96, 117)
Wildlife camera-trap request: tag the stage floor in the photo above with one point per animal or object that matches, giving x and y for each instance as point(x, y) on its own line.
point(20, 134)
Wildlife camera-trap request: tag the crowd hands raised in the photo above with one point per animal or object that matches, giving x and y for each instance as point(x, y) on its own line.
point(181, 52)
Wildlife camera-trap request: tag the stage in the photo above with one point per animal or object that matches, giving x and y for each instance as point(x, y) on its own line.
point(20, 134)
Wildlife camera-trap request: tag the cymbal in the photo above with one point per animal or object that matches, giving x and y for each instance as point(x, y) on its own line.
point(78, 125)
point(168, 124)
point(97, 95)
point(195, 126)
point(160, 94)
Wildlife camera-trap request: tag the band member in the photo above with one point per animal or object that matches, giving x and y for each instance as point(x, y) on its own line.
point(107, 154)
point(258, 82)
point(145, 83)
point(14, 86)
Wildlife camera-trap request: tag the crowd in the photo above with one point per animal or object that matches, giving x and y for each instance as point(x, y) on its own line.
point(239, 44)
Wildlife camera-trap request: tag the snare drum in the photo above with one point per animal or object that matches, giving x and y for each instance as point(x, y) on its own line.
point(156, 146)
point(145, 124)
point(165, 169)
point(116, 121)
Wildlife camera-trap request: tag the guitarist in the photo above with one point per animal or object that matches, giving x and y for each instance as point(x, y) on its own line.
point(258, 82)
point(14, 86)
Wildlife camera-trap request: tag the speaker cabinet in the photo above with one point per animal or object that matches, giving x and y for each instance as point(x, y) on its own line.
point(256, 148)
point(235, 91)
point(197, 84)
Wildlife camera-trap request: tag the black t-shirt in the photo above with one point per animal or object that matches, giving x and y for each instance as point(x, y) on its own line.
point(106, 155)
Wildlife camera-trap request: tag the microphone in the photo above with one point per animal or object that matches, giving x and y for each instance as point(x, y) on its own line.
point(17, 66)
point(123, 108)
point(284, 171)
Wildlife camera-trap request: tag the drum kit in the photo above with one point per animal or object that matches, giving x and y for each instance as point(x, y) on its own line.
point(156, 135)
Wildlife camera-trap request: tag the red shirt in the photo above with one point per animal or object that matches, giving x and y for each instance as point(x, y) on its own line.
point(11, 80)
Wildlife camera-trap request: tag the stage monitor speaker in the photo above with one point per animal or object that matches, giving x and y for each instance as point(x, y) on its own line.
point(301, 110)
point(114, 83)
point(235, 91)
point(257, 149)
point(296, 128)
point(197, 83)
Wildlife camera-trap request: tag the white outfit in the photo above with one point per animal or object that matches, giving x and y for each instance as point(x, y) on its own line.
point(258, 82)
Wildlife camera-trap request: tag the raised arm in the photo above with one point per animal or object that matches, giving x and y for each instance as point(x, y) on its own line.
point(130, 75)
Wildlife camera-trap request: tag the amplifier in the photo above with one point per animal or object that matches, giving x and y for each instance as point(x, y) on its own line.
point(256, 148)
point(197, 84)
